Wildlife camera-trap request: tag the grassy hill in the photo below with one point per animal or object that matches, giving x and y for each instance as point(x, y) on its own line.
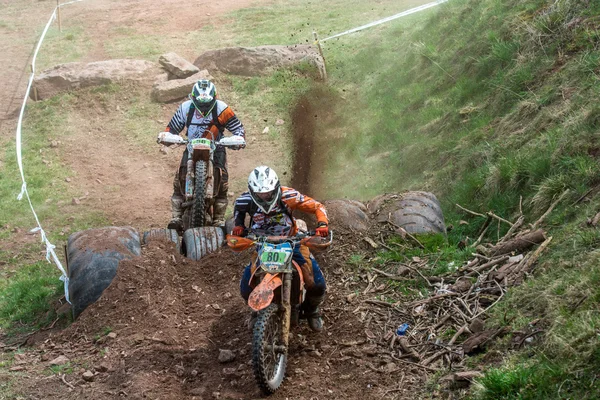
point(484, 103)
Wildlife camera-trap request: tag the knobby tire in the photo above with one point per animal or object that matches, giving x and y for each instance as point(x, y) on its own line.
point(267, 331)
point(199, 207)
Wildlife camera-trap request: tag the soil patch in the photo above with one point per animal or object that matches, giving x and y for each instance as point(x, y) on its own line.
point(157, 330)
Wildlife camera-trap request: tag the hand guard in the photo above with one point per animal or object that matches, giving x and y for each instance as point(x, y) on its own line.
point(237, 231)
point(322, 230)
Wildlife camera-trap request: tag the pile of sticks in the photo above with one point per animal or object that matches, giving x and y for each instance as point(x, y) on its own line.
point(450, 322)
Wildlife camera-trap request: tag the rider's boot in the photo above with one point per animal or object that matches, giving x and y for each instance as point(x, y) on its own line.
point(219, 209)
point(176, 211)
point(310, 308)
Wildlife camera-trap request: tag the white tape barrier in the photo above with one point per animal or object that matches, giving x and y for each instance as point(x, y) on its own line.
point(49, 246)
point(381, 21)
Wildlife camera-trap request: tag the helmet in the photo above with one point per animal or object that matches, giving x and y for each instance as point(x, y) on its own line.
point(204, 96)
point(264, 188)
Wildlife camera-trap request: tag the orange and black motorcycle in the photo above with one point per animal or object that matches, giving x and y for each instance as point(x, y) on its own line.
point(276, 298)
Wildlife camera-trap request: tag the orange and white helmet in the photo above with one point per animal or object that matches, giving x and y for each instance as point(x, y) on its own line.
point(264, 188)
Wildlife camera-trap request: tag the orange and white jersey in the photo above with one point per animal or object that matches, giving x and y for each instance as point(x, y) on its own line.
point(280, 220)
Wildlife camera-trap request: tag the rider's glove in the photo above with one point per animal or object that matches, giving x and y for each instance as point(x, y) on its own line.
point(237, 231)
point(322, 229)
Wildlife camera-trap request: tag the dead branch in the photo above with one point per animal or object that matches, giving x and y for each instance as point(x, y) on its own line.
point(62, 378)
point(541, 219)
point(519, 243)
point(492, 305)
point(414, 364)
point(458, 333)
point(532, 259)
point(434, 357)
point(469, 211)
point(430, 299)
point(487, 265)
point(407, 349)
point(594, 221)
point(483, 230)
point(513, 229)
point(491, 214)
point(388, 275)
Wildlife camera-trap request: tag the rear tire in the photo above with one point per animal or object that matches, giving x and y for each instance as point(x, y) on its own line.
point(199, 207)
point(268, 363)
point(199, 242)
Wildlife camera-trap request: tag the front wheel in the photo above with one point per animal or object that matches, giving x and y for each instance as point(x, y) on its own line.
point(269, 353)
point(199, 207)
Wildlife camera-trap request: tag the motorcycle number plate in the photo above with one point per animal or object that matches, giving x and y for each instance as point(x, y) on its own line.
point(200, 142)
point(275, 257)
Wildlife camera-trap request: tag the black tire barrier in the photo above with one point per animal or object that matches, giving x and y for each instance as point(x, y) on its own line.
point(199, 242)
point(93, 259)
point(170, 235)
point(416, 212)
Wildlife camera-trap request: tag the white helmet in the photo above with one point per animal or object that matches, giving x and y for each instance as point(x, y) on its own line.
point(264, 188)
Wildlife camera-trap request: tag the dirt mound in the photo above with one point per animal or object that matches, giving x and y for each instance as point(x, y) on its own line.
point(157, 331)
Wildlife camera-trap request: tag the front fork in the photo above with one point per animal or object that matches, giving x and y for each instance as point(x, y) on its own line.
point(286, 294)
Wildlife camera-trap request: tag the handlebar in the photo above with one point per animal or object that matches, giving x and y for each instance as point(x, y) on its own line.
point(231, 141)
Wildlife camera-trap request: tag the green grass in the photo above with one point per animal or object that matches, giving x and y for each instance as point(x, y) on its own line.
point(28, 284)
point(26, 294)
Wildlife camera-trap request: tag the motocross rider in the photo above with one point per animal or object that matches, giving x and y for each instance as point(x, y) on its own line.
point(204, 117)
point(270, 208)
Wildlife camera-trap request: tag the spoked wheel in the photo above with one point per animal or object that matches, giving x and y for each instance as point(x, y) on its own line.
point(269, 354)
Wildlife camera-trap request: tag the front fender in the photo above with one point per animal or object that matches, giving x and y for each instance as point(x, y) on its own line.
point(262, 295)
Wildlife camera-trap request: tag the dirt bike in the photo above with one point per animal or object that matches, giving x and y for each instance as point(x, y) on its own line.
point(276, 299)
point(200, 189)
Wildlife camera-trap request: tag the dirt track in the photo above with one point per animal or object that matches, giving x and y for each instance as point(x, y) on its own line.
point(171, 316)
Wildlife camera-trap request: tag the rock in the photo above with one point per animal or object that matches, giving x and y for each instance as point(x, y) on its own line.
point(54, 144)
point(198, 391)
point(67, 179)
point(102, 367)
point(75, 201)
point(266, 130)
point(176, 89)
point(72, 76)
point(112, 335)
point(60, 360)
point(88, 376)
point(279, 122)
point(253, 61)
point(226, 356)
point(178, 66)
point(229, 371)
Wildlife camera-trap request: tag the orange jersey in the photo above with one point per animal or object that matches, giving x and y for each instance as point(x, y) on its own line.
point(280, 220)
